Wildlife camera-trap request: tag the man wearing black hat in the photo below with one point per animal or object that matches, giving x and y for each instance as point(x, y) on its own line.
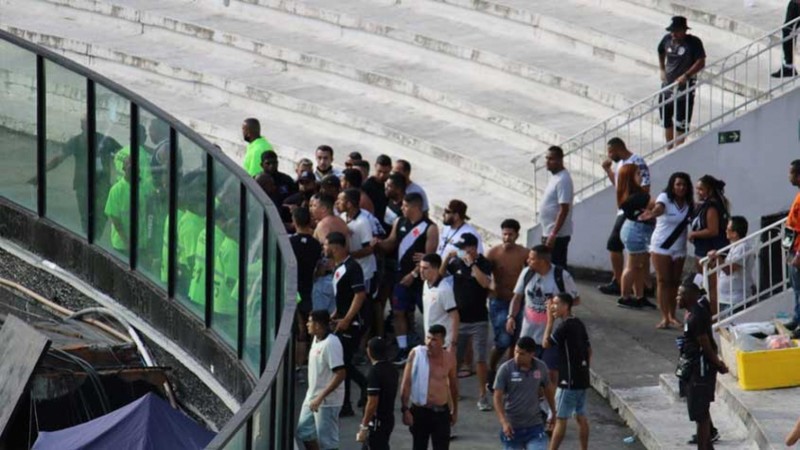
point(472, 275)
point(680, 56)
point(699, 362)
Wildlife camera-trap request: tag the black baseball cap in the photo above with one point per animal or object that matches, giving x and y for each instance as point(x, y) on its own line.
point(467, 240)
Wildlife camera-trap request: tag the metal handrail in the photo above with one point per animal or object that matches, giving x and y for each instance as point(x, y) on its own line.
point(281, 356)
point(725, 89)
point(762, 279)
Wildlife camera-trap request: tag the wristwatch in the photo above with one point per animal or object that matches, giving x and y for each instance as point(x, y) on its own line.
point(403, 409)
point(363, 427)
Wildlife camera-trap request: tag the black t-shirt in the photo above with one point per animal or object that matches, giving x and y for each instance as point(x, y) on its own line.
point(698, 323)
point(382, 382)
point(680, 55)
point(376, 192)
point(470, 296)
point(285, 184)
point(573, 360)
point(308, 251)
point(634, 205)
point(348, 280)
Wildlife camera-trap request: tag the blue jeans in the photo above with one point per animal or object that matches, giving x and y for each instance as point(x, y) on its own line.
point(794, 278)
point(498, 314)
point(322, 294)
point(533, 438)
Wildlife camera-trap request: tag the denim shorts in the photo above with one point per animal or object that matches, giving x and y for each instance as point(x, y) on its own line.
point(498, 314)
point(322, 294)
point(570, 402)
point(532, 438)
point(321, 426)
point(636, 236)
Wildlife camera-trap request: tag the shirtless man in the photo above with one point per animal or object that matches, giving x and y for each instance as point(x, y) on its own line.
point(507, 261)
point(429, 417)
point(321, 208)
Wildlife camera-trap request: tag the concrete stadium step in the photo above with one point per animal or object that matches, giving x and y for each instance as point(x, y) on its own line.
point(217, 114)
point(604, 29)
point(228, 30)
point(409, 127)
point(729, 15)
point(442, 28)
point(661, 422)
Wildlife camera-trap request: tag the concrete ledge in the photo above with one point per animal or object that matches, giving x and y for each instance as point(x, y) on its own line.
point(286, 56)
point(131, 289)
point(504, 64)
point(481, 170)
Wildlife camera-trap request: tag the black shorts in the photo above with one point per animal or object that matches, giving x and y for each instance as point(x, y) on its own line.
point(614, 242)
point(699, 395)
point(680, 108)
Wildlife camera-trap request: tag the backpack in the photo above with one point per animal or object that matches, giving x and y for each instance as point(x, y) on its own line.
point(558, 274)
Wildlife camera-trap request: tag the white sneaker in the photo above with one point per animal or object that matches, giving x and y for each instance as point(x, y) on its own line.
point(483, 404)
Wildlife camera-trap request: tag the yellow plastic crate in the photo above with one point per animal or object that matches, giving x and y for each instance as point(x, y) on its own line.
point(769, 369)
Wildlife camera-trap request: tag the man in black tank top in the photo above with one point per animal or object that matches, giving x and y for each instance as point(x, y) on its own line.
point(413, 235)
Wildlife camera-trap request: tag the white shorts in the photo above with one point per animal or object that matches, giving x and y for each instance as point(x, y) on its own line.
point(672, 252)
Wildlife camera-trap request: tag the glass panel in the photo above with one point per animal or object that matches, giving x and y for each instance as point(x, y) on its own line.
point(190, 285)
point(154, 198)
point(279, 439)
point(238, 440)
point(67, 149)
point(113, 188)
point(262, 419)
point(226, 253)
point(255, 253)
point(18, 124)
point(273, 319)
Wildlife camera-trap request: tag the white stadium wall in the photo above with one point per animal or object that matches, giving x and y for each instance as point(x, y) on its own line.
point(755, 169)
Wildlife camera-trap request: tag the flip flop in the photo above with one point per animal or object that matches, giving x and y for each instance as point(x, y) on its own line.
point(465, 373)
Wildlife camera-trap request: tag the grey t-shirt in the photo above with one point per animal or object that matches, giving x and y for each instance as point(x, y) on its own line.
point(559, 191)
point(521, 392)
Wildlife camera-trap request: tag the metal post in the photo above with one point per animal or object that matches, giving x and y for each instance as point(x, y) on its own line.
point(264, 289)
point(210, 235)
point(41, 136)
point(243, 272)
point(91, 159)
point(133, 239)
point(172, 229)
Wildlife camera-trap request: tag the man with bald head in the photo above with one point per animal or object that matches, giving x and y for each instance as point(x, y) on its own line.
point(256, 145)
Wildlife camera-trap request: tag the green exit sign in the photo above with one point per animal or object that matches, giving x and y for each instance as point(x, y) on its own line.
point(730, 137)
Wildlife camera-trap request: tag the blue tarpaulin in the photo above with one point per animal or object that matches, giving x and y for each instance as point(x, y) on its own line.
point(146, 424)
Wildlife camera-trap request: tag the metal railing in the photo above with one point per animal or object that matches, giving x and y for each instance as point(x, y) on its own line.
point(724, 90)
point(110, 167)
point(748, 271)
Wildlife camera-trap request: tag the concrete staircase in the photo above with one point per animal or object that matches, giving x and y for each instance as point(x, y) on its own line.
point(467, 90)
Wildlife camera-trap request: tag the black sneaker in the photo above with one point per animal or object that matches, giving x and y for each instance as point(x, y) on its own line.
point(790, 325)
point(347, 411)
point(628, 302)
point(611, 288)
point(784, 72)
point(645, 303)
point(714, 437)
point(401, 358)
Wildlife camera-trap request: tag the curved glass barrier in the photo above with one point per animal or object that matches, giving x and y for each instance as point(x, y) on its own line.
point(112, 168)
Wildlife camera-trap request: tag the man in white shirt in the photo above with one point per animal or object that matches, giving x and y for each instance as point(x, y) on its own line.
point(438, 299)
point(361, 234)
point(618, 156)
point(555, 212)
point(455, 223)
point(318, 425)
point(735, 278)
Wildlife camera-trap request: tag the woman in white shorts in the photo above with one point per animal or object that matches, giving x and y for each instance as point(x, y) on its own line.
point(672, 210)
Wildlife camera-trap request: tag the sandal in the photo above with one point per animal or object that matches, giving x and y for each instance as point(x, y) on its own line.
point(465, 373)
